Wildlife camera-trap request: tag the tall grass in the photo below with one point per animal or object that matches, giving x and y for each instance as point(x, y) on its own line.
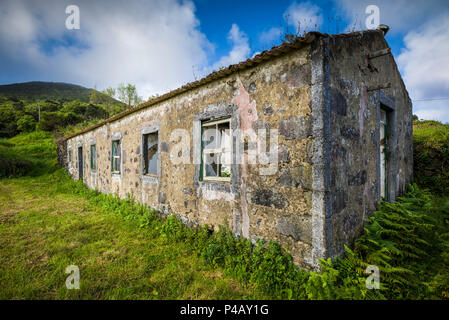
point(28, 154)
point(431, 155)
point(407, 240)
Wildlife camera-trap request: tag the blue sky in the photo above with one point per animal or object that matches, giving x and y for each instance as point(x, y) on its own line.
point(161, 44)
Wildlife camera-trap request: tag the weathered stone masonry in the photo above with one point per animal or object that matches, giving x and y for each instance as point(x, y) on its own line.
point(323, 94)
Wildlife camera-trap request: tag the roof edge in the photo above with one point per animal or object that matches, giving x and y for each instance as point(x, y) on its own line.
point(265, 55)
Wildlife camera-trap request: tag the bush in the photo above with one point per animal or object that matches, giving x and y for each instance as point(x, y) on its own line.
point(95, 112)
point(28, 154)
point(26, 124)
point(13, 165)
point(50, 121)
point(431, 155)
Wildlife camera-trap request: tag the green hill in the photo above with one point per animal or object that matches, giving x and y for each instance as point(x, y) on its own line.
point(56, 91)
point(51, 106)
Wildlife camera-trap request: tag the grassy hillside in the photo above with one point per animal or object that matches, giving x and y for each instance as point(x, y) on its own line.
point(125, 251)
point(56, 107)
point(431, 155)
point(54, 91)
point(30, 154)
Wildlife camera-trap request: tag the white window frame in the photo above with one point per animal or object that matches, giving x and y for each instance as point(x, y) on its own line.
point(221, 150)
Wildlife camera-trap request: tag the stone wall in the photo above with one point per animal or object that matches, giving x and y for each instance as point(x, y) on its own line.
point(325, 181)
point(352, 107)
point(272, 95)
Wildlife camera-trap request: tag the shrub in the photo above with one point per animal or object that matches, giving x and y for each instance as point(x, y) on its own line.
point(405, 240)
point(50, 121)
point(26, 124)
point(28, 154)
point(13, 165)
point(431, 155)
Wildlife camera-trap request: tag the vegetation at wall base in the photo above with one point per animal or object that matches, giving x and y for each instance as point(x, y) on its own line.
point(408, 240)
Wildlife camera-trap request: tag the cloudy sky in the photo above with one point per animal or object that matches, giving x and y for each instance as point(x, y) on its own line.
point(159, 45)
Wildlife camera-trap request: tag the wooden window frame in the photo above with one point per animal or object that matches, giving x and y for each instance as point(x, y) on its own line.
point(221, 150)
point(93, 157)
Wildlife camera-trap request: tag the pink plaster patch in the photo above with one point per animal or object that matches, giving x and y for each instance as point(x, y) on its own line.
point(247, 109)
point(248, 114)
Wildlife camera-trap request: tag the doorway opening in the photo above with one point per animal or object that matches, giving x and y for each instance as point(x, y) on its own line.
point(383, 136)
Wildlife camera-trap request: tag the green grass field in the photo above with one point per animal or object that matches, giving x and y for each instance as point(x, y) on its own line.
point(43, 230)
point(124, 250)
point(48, 222)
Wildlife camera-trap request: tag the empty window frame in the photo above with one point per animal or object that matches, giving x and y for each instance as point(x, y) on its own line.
point(216, 150)
point(150, 153)
point(116, 156)
point(93, 157)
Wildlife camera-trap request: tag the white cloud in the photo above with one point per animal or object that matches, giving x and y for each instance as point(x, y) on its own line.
point(299, 18)
point(424, 65)
point(432, 110)
point(304, 17)
point(240, 48)
point(152, 44)
point(399, 15)
point(272, 35)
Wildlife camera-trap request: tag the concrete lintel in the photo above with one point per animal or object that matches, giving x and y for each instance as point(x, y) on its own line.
point(116, 136)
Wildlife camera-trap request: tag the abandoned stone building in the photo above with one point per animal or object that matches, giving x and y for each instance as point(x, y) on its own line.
point(296, 145)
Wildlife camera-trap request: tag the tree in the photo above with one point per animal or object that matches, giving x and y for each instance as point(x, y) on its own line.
point(51, 121)
point(95, 97)
point(26, 123)
point(128, 94)
point(95, 112)
point(8, 121)
point(74, 106)
point(109, 92)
